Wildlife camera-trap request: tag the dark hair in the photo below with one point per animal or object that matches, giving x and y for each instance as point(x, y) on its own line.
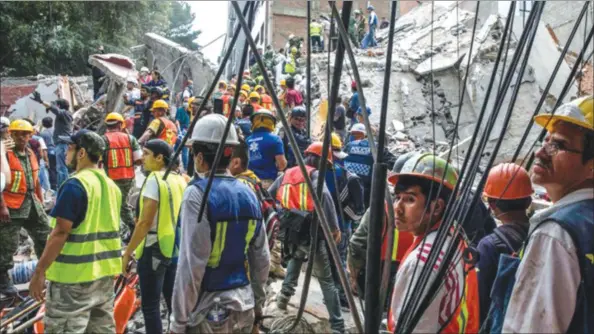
point(63, 104)
point(113, 126)
point(588, 152)
point(507, 205)
point(241, 152)
point(281, 50)
point(428, 188)
point(247, 110)
point(209, 152)
point(93, 157)
point(47, 122)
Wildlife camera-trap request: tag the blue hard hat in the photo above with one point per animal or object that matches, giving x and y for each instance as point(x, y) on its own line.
point(370, 7)
point(359, 111)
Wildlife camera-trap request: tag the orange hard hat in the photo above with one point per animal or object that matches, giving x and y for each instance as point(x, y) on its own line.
point(316, 149)
point(508, 182)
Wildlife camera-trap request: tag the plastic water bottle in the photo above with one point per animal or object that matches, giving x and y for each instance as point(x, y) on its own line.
point(217, 314)
point(22, 272)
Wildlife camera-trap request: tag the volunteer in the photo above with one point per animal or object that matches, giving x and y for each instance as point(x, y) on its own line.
point(161, 127)
point(267, 155)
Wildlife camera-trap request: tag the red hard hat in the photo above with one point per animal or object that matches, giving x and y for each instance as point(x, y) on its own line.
point(316, 149)
point(353, 84)
point(508, 182)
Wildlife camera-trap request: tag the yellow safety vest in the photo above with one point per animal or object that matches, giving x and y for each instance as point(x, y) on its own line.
point(315, 29)
point(290, 65)
point(170, 198)
point(93, 249)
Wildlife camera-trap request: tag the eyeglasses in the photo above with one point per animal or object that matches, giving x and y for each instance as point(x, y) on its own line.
point(552, 148)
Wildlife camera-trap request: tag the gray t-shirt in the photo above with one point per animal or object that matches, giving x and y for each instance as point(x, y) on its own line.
point(62, 123)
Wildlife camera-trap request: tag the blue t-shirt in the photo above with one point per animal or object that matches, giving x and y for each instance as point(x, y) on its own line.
point(183, 118)
point(354, 106)
point(71, 203)
point(263, 148)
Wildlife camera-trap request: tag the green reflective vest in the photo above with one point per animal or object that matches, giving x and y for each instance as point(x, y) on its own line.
point(170, 198)
point(93, 249)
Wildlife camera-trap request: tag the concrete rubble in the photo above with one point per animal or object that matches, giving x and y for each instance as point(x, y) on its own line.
point(416, 65)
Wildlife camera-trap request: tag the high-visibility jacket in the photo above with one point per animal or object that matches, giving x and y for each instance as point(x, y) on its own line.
point(290, 65)
point(235, 218)
point(402, 242)
point(119, 157)
point(256, 106)
point(15, 192)
point(466, 316)
point(93, 250)
point(315, 29)
point(169, 131)
point(171, 192)
point(266, 102)
point(227, 104)
point(293, 192)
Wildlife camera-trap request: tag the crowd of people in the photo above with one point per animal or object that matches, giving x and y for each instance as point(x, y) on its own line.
point(210, 255)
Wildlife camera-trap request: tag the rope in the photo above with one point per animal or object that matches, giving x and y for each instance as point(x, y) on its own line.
point(284, 324)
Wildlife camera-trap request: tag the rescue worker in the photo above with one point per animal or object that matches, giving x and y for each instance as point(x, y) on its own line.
point(352, 30)
point(508, 191)
point(161, 127)
point(5, 174)
point(221, 90)
point(83, 253)
point(419, 209)
point(556, 264)
point(144, 77)
point(243, 95)
point(122, 152)
point(154, 235)
point(24, 199)
point(247, 79)
point(293, 97)
point(290, 66)
point(292, 193)
point(156, 79)
point(212, 292)
point(353, 104)
point(141, 111)
point(372, 22)
point(267, 154)
point(282, 93)
point(255, 101)
point(360, 159)
point(298, 122)
point(315, 32)
point(244, 122)
point(227, 99)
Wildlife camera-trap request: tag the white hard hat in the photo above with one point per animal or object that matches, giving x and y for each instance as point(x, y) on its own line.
point(359, 127)
point(291, 36)
point(210, 128)
point(144, 69)
point(4, 121)
point(132, 80)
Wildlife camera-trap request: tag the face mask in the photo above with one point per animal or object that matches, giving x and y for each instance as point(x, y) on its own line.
point(185, 104)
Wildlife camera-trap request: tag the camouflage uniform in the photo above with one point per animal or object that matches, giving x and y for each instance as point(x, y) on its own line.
point(126, 213)
point(80, 308)
point(30, 216)
point(237, 322)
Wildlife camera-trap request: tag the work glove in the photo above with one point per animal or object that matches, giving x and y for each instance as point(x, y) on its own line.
point(36, 97)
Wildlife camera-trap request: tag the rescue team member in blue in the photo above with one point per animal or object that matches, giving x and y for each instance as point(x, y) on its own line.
point(267, 155)
point(83, 252)
point(244, 123)
point(212, 291)
point(556, 272)
point(154, 235)
point(298, 122)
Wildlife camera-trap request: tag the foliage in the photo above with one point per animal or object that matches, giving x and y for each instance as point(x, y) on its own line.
point(58, 36)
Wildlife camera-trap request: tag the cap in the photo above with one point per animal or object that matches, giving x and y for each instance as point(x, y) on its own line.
point(159, 146)
point(87, 139)
point(144, 69)
point(359, 127)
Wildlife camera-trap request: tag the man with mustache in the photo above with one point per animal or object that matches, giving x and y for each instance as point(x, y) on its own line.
point(555, 277)
point(419, 208)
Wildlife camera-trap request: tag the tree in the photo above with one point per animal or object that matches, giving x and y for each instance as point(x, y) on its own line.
point(180, 25)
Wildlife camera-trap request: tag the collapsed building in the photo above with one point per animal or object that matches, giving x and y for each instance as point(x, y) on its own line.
point(429, 63)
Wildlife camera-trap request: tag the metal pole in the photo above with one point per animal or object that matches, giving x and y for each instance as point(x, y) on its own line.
point(205, 101)
point(373, 305)
point(308, 86)
point(318, 208)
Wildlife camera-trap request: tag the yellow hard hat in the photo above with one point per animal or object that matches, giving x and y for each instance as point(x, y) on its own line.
point(190, 100)
point(231, 87)
point(244, 93)
point(283, 82)
point(114, 117)
point(160, 104)
point(254, 95)
point(579, 112)
point(336, 142)
point(258, 87)
point(223, 83)
point(20, 125)
point(246, 87)
point(293, 50)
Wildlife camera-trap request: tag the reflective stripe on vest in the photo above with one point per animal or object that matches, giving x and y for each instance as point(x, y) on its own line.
point(293, 192)
point(14, 192)
point(267, 102)
point(171, 192)
point(169, 131)
point(93, 249)
point(119, 156)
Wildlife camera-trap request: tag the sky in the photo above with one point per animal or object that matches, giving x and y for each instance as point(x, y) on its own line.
point(211, 19)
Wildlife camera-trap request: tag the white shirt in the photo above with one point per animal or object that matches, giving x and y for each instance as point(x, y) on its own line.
point(447, 298)
point(151, 191)
point(544, 297)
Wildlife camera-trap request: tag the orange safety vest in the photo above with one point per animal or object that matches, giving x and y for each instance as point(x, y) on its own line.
point(266, 101)
point(169, 131)
point(226, 104)
point(256, 106)
point(120, 164)
point(466, 317)
point(402, 242)
point(15, 191)
point(293, 192)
